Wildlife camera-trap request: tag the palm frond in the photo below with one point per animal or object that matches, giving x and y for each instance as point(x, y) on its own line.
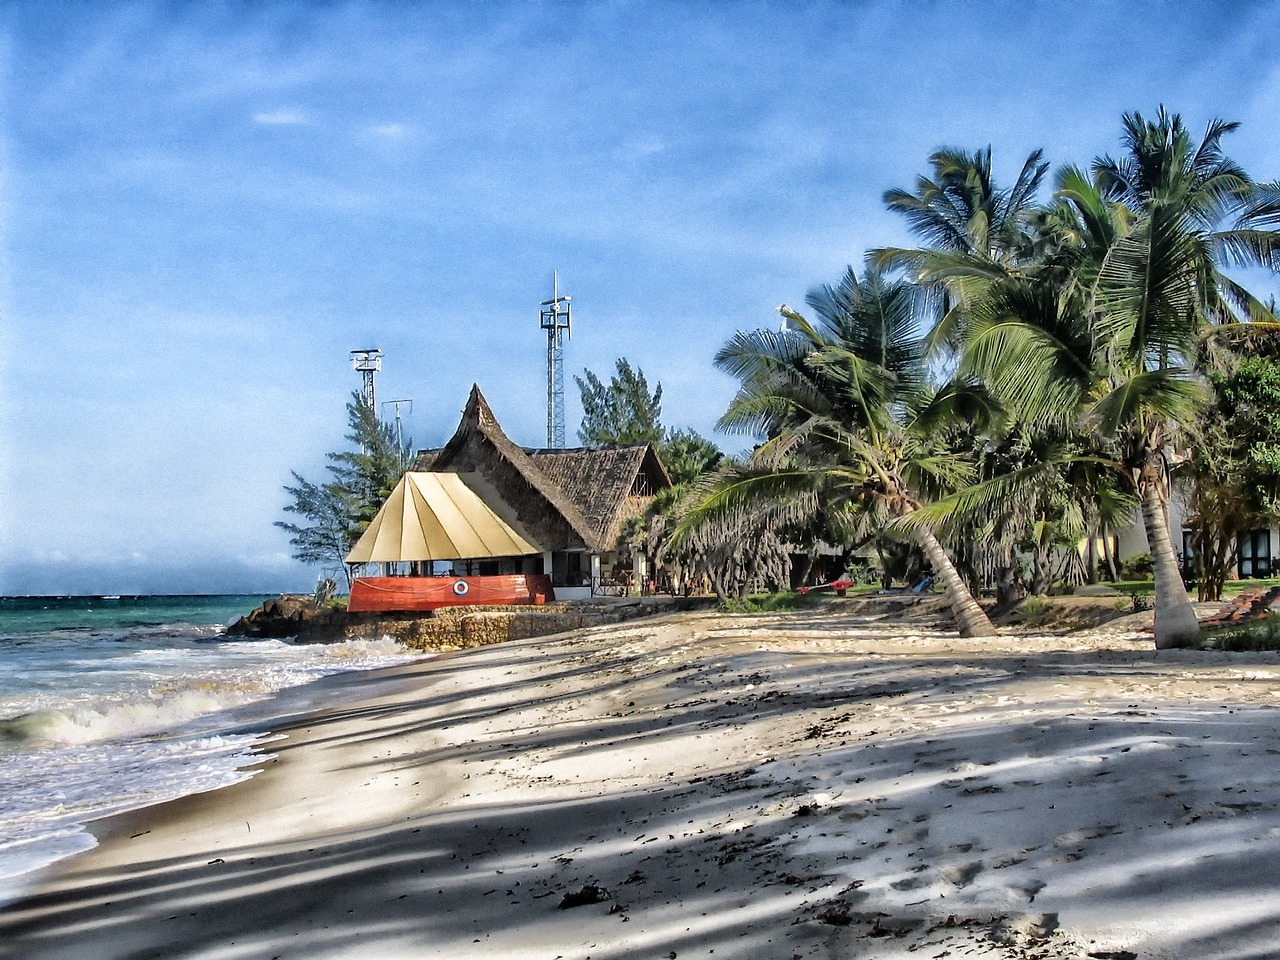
point(746, 498)
point(1163, 394)
point(1248, 248)
point(1260, 208)
point(977, 502)
point(1146, 287)
point(959, 402)
point(1023, 193)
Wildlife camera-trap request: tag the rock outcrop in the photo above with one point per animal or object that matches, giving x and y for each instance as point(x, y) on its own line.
point(289, 615)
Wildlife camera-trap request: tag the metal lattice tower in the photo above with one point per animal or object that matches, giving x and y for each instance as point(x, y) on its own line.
point(367, 363)
point(556, 319)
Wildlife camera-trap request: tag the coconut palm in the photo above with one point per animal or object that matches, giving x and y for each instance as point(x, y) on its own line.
point(1199, 195)
point(972, 232)
point(1111, 344)
point(978, 242)
point(847, 419)
point(1041, 487)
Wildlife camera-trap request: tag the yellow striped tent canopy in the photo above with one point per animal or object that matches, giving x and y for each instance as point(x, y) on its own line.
point(439, 516)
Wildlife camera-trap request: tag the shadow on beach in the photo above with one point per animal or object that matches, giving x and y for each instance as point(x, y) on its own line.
point(792, 785)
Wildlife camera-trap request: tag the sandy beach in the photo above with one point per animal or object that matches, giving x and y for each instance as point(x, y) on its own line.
point(824, 784)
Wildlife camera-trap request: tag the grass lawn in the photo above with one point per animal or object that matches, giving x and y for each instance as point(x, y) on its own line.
point(1229, 589)
point(1142, 588)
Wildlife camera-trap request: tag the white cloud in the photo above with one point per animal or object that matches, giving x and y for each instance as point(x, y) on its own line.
point(642, 148)
point(388, 131)
point(281, 118)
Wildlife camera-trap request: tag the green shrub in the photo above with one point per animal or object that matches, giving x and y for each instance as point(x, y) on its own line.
point(1035, 610)
point(1137, 567)
point(1140, 602)
point(766, 603)
point(1033, 606)
point(1259, 635)
point(1144, 587)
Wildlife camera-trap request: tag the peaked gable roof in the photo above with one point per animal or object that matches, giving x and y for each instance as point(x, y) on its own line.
point(600, 480)
point(479, 444)
point(590, 489)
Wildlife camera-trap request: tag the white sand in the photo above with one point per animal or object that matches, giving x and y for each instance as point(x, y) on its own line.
point(812, 785)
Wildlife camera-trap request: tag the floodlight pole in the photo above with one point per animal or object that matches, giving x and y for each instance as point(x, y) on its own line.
point(367, 363)
point(556, 319)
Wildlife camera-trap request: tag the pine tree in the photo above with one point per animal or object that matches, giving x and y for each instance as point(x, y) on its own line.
point(337, 512)
point(623, 411)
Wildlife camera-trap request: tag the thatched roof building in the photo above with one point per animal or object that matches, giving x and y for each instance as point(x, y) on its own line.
point(568, 501)
point(608, 485)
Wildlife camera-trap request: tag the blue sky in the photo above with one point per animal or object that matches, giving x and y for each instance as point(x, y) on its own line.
point(205, 206)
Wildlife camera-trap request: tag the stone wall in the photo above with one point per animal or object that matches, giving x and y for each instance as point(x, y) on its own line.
point(460, 628)
point(452, 628)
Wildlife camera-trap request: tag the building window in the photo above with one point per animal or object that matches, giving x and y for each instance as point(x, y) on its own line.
point(1190, 562)
point(568, 569)
point(1255, 554)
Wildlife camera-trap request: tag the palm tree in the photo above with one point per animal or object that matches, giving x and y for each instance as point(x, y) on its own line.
point(973, 233)
point(978, 242)
point(1111, 344)
point(847, 419)
point(1042, 487)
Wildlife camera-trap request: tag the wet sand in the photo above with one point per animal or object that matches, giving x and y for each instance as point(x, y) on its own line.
point(821, 784)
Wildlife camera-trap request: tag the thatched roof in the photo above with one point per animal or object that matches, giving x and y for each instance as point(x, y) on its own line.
point(604, 482)
point(574, 498)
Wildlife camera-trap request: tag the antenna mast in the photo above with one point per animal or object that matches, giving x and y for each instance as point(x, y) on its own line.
point(399, 430)
point(555, 318)
point(367, 363)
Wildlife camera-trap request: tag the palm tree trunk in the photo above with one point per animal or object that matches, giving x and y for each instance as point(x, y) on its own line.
point(800, 573)
point(970, 618)
point(1109, 556)
point(886, 581)
point(1175, 618)
point(1042, 580)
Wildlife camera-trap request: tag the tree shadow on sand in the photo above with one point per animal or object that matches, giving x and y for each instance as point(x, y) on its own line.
point(883, 795)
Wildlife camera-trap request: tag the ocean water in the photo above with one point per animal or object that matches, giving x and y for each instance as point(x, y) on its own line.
point(113, 703)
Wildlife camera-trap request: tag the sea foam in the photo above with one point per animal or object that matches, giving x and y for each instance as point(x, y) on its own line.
point(96, 721)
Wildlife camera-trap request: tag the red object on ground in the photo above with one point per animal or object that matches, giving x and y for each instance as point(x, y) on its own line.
point(839, 586)
point(391, 594)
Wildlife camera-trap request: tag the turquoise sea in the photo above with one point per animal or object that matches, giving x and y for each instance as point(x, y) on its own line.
point(112, 703)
